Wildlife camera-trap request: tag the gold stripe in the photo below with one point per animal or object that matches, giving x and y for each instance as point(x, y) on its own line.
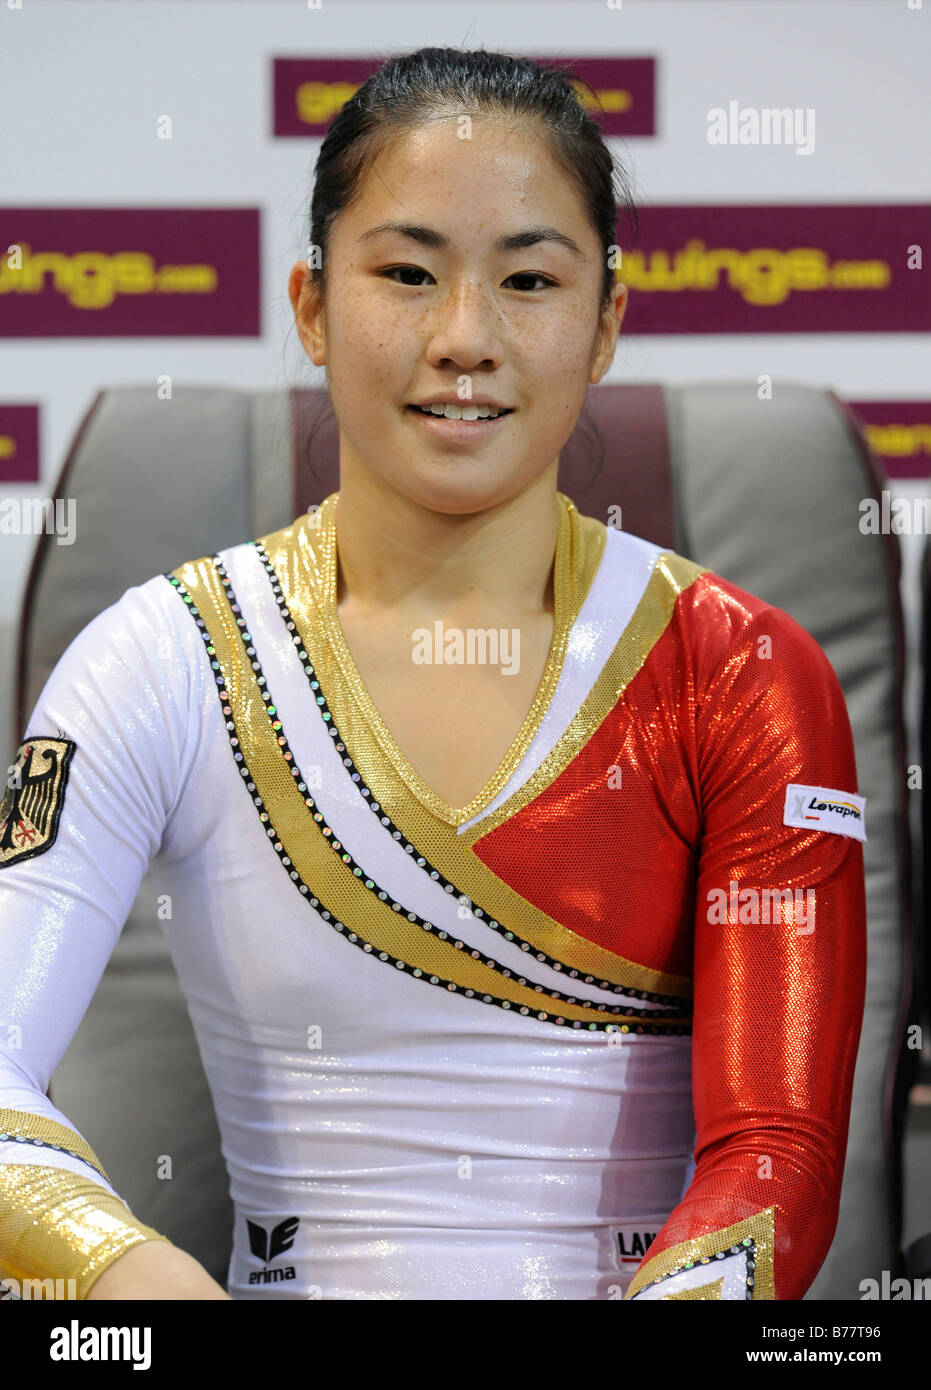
point(580, 543)
point(299, 554)
point(24, 1123)
point(671, 575)
point(57, 1225)
point(317, 860)
point(703, 1249)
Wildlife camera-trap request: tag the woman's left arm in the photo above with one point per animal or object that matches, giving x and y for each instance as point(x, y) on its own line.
point(779, 968)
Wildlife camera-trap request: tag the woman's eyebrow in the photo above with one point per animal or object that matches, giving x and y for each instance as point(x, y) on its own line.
point(515, 241)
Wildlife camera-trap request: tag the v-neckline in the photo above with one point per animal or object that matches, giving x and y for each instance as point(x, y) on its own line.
point(568, 566)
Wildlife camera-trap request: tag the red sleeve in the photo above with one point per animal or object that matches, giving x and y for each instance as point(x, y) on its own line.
point(779, 975)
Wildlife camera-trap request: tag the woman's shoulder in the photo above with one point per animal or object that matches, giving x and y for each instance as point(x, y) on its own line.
point(741, 645)
point(714, 616)
point(723, 613)
point(142, 616)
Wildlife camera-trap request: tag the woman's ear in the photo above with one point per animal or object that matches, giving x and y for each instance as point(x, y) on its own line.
point(608, 329)
point(307, 303)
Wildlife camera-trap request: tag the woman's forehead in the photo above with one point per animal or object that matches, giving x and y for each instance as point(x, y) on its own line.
point(455, 184)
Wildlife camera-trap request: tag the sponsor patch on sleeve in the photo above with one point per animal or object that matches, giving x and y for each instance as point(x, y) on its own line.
point(33, 798)
point(825, 808)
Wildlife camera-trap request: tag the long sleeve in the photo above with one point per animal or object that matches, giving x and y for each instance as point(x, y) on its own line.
point(84, 811)
point(779, 966)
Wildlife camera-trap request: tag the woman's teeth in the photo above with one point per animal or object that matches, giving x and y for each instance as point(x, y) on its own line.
point(461, 412)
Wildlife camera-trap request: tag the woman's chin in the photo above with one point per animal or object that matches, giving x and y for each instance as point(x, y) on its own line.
point(444, 490)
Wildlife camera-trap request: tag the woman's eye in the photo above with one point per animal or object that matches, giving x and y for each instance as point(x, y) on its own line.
point(532, 275)
point(414, 270)
point(405, 270)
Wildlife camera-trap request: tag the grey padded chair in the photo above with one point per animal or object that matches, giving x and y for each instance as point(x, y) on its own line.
point(765, 493)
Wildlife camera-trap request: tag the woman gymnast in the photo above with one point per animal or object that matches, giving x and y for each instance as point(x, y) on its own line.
point(515, 862)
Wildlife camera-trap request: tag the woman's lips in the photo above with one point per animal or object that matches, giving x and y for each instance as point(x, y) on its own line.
point(457, 431)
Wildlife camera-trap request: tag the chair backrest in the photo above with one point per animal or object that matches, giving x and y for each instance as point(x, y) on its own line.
point(765, 492)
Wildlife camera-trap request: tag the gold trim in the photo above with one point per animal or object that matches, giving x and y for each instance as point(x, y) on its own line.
point(702, 1250)
point(580, 543)
point(56, 1225)
point(24, 1123)
point(316, 858)
point(671, 575)
point(297, 554)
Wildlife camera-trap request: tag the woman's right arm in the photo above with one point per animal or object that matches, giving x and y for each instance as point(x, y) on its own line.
point(85, 805)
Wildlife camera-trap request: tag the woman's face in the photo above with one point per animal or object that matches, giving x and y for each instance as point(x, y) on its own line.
point(448, 311)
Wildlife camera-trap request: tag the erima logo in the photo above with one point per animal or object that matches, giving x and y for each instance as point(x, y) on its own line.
point(266, 1245)
point(825, 808)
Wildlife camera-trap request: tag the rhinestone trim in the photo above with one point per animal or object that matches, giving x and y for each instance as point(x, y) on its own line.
point(336, 845)
point(747, 1245)
point(673, 1001)
point(47, 1144)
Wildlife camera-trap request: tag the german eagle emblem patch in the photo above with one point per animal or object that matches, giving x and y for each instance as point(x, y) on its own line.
point(33, 798)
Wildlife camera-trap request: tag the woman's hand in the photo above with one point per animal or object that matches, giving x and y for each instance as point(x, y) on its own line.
point(155, 1269)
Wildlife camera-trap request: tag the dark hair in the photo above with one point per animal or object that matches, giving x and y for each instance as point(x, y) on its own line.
point(411, 87)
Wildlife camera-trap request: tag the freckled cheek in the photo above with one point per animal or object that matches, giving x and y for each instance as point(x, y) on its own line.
point(561, 350)
point(366, 353)
point(365, 327)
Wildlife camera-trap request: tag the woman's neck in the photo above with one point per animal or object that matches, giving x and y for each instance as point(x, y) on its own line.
point(394, 554)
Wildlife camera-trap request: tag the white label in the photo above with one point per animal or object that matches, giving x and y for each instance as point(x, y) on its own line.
point(631, 1243)
point(825, 808)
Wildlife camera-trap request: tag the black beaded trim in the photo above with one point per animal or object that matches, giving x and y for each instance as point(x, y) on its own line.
point(746, 1246)
point(47, 1144)
point(337, 846)
point(669, 999)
